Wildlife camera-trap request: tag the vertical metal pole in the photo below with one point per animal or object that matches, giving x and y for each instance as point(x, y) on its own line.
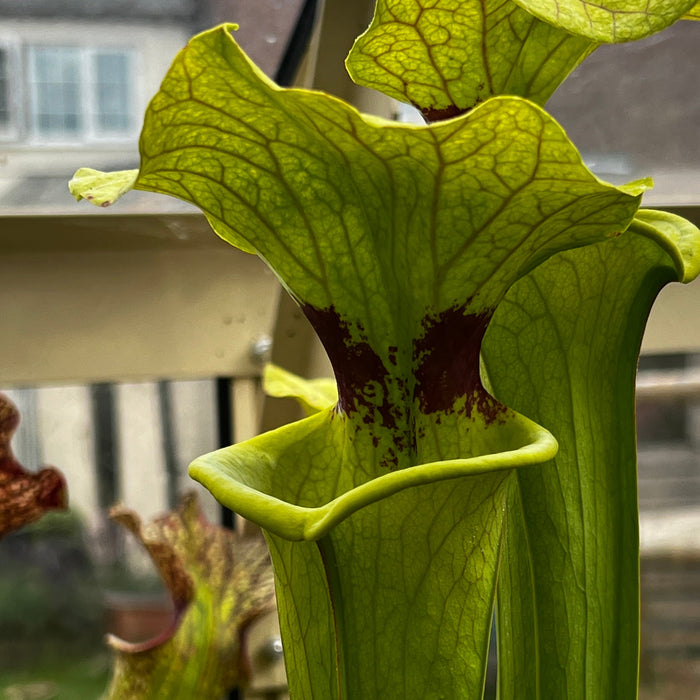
point(106, 446)
point(165, 408)
point(224, 420)
point(106, 443)
point(224, 415)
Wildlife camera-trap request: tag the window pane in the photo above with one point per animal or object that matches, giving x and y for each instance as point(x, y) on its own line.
point(112, 93)
point(56, 91)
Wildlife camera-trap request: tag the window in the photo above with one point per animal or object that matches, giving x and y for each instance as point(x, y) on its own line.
point(80, 93)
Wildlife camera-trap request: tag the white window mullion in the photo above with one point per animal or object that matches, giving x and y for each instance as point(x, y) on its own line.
point(32, 96)
point(89, 73)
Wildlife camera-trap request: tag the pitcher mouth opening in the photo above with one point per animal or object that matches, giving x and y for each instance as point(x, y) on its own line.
point(250, 478)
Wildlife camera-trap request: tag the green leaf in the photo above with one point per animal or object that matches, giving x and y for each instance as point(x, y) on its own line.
point(416, 626)
point(398, 242)
point(401, 614)
point(568, 591)
point(446, 56)
point(312, 394)
point(609, 21)
point(303, 479)
point(693, 13)
point(384, 233)
point(219, 584)
point(101, 189)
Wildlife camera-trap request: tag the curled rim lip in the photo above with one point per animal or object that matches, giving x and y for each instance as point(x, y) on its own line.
point(295, 522)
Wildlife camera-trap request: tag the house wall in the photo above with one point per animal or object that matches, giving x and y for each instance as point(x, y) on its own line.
point(183, 10)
